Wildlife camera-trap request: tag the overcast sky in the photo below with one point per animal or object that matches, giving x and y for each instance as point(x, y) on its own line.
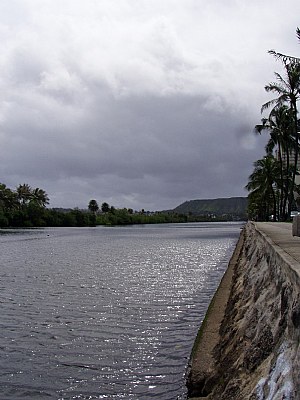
point(139, 103)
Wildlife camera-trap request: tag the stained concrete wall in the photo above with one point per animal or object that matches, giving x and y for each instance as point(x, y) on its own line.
point(257, 352)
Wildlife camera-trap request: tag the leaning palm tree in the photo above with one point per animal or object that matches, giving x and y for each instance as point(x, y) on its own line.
point(262, 185)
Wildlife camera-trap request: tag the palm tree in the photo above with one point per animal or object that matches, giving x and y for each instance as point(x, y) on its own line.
point(105, 207)
point(288, 91)
point(8, 198)
point(93, 206)
point(39, 197)
point(24, 194)
point(262, 186)
point(279, 125)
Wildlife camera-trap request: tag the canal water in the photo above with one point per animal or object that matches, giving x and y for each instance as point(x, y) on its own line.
point(106, 312)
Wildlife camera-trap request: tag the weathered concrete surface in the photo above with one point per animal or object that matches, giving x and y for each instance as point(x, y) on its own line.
point(255, 352)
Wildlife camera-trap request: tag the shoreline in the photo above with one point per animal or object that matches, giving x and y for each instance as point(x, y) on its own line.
point(202, 362)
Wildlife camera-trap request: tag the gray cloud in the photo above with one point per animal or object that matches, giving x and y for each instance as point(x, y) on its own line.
point(143, 105)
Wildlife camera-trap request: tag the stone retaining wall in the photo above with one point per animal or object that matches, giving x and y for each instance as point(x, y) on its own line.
point(257, 352)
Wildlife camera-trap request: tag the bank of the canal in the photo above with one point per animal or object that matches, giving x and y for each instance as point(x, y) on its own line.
point(248, 344)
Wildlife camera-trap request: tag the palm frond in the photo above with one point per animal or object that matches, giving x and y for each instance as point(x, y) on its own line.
point(270, 146)
point(260, 127)
point(283, 57)
point(267, 105)
point(276, 103)
point(275, 87)
point(280, 79)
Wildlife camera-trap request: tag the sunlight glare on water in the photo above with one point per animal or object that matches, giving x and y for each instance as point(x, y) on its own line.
point(95, 313)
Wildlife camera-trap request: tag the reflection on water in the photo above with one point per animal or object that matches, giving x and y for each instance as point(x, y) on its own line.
point(105, 313)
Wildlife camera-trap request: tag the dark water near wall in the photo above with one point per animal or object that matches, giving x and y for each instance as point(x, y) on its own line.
point(105, 313)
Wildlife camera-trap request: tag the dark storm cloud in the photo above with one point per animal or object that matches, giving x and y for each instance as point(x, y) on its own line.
point(152, 144)
point(144, 106)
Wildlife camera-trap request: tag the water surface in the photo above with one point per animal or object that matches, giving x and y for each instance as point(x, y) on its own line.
point(106, 312)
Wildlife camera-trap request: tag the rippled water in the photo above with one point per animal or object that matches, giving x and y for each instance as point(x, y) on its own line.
point(106, 312)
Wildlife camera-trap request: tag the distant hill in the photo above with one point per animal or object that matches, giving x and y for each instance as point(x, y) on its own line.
point(235, 206)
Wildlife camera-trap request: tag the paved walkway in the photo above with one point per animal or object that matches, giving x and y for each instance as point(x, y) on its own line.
point(281, 234)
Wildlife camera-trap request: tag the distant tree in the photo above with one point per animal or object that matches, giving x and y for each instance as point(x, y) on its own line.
point(69, 219)
point(81, 218)
point(39, 197)
point(35, 214)
point(27, 195)
point(93, 206)
point(3, 219)
point(54, 217)
point(105, 207)
point(8, 198)
point(24, 194)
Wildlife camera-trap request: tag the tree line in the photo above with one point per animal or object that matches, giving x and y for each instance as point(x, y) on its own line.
point(109, 215)
point(23, 206)
point(273, 188)
point(26, 207)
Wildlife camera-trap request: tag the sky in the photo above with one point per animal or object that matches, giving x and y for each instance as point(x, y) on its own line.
point(141, 104)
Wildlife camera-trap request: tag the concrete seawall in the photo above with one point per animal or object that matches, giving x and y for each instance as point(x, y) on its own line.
point(248, 344)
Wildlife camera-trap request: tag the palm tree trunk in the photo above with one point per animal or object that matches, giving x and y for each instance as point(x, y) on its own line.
point(296, 150)
point(281, 202)
point(286, 185)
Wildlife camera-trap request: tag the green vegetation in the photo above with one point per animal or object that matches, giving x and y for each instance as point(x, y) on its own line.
point(125, 216)
point(26, 207)
point(273, 188)
point(22, 207)
point(234, 208)
point(93, 206)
